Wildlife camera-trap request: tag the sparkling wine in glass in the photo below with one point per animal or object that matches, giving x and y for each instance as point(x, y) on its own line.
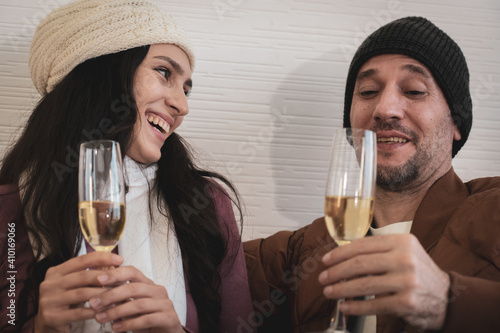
point(350, 191)
point(101, 194)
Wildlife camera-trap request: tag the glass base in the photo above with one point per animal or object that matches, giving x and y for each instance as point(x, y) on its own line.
point(105, 328)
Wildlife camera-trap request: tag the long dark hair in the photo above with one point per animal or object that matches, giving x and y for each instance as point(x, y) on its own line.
point(95, 100)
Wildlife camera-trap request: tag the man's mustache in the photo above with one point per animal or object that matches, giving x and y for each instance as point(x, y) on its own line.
point(395, 126)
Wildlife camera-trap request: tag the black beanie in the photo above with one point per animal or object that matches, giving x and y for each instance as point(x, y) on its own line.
point(421, 40)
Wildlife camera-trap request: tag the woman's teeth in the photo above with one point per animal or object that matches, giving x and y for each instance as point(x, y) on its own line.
point(392, 140)
point(158, 123)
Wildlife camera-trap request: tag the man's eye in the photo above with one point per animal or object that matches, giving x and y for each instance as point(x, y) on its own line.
point(414, 92)
point(367, 93)
point(187, 93)
point(164, 71)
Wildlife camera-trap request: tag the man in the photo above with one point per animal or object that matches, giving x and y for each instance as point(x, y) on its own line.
point(433, 262)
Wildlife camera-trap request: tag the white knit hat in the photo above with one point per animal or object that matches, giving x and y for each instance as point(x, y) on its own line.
point(87, 29)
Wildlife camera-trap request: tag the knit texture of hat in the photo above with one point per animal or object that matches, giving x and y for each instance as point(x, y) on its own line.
point(421, 40)
point(88, 29)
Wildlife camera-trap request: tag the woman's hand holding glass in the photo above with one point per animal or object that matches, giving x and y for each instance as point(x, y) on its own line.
point(135, 303)
point(67, 287)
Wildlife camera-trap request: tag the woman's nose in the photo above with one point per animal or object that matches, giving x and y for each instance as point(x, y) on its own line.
point(178, 101)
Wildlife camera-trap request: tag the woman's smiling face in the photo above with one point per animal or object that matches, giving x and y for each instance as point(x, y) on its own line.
point(161, 85)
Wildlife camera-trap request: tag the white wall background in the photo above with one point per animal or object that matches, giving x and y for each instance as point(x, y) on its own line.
point(269, 85)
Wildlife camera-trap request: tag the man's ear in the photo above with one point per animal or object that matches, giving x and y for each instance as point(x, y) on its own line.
point(456, 133)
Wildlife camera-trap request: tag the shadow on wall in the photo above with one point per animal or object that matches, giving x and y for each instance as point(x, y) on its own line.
point(306, 107)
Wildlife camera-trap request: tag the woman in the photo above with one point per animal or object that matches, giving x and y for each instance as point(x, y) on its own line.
point(119, 70)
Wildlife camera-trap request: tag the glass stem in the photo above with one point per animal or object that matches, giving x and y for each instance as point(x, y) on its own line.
point(338, 322)
point(105, 327)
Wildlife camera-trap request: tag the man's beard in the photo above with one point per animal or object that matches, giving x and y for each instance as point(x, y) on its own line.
point(401, 178)
point(422, 165)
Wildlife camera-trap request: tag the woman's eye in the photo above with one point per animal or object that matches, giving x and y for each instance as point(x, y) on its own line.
point(164, 71)
point(187, 93)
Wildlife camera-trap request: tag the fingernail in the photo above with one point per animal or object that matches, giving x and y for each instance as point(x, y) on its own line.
point(327, 291)
point(95, 302)
point(117, 326)
point(117, 260)
point(322, 277)
point(101, 316)
point(103, 278)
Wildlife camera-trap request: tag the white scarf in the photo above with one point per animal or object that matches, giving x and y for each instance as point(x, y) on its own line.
point(156, 253)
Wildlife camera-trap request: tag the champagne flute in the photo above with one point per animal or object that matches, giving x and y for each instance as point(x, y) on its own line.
point(101, 194)
point(350, 192)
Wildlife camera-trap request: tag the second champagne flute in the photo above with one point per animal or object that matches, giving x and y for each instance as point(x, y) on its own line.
point(350, 192)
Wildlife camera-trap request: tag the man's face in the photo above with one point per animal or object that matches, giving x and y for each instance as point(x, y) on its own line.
point(397, 97)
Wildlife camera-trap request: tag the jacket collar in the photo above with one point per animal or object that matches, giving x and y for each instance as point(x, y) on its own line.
point(437, 207)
